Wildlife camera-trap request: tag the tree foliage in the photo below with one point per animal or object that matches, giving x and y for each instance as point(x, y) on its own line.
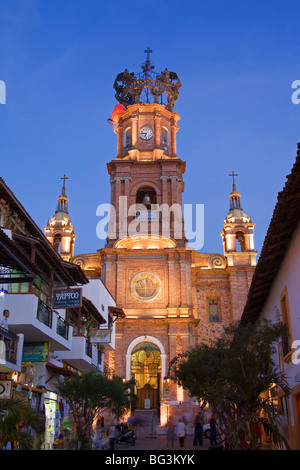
point(234, 374)
point(91, 392)
point(121, 396)
point(14, 412)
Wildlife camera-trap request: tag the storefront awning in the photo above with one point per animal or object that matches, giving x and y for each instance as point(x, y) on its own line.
point(58, 370)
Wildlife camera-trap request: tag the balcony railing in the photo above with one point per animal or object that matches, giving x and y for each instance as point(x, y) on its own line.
point(8, 346)
point(88, 349)
point(62, 328)
point(44, 313)
point(100, 356)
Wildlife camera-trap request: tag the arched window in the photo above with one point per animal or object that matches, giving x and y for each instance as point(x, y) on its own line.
point(127, 139)
point(165, 140)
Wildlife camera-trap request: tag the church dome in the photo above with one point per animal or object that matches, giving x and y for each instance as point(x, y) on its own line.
point(237, 213)
point(60, 216)
point(235, 210)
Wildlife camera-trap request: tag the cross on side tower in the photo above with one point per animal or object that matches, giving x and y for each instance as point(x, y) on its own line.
point(233, 181)
point(64, 184)
point(64, 178)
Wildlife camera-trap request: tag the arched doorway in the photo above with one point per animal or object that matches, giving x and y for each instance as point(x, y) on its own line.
point(146, 370)
point(139, 344)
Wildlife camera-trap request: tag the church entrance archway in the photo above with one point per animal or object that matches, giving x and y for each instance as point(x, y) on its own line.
point(146, 364)
point(146, 370)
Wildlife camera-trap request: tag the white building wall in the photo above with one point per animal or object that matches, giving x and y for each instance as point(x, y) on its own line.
point(96, 291)
point(288, 277)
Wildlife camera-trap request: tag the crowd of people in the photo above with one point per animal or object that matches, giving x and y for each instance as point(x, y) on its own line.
point(179, 431)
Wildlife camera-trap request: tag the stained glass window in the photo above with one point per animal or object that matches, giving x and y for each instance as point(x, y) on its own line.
point(214, 310)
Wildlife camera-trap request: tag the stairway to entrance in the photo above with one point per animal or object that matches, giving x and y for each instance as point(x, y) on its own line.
point(147, 421)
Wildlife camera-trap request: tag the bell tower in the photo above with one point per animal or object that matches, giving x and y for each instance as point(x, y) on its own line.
point(238, 232)
point(145, 263)
point(146, 175)
point(59, 230)
point(173, 296)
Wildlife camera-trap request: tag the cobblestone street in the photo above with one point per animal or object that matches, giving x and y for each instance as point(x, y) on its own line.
point(160, 443)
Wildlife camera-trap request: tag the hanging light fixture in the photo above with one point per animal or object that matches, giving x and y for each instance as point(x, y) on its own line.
point(3, 292)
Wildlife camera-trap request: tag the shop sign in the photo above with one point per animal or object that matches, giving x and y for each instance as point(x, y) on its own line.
point(5, 389)
point(67, 298)
point(35, 352)
point(101, 336)
point(166, 392)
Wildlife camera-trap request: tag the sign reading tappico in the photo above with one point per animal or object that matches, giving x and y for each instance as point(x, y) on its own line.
point(67, 298)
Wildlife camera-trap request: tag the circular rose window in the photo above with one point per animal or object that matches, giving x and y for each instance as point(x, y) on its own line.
point(145, 285)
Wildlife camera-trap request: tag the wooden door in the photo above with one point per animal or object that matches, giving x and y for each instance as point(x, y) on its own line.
point(147, 392)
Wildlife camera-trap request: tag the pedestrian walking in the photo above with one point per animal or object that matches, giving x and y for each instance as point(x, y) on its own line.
point(170, 433)
point(112, 436)
point(213, 431)
point(97, 437)
point(181, 431)
point(198, 430)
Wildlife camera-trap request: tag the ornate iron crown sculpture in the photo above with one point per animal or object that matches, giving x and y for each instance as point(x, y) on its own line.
point(131, 88)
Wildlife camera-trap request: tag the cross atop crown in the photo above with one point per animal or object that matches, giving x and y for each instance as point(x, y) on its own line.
point(63, 191)
point(148, 51)
point(233, 181)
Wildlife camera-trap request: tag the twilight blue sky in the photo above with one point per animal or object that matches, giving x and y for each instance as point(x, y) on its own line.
point(236, 60)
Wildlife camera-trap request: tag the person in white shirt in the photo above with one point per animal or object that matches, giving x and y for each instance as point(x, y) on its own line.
point(112, 437)
point(181, 431)
point(3, 320)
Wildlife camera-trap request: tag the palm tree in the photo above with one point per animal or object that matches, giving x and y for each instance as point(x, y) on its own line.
point(13, 412)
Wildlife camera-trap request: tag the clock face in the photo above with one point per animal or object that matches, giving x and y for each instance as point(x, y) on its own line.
point(146, 133)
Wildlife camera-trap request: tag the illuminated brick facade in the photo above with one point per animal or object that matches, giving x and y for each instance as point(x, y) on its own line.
point(172, 295)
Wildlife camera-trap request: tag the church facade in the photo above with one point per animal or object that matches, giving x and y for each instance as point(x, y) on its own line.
point(173, 296)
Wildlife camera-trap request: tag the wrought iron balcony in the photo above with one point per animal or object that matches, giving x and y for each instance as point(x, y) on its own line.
point(44, 313)
point(62, 327)
point(8, 346)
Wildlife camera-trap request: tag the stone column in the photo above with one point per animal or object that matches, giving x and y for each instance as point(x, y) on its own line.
point(171, 283)
point(120, 287)
point(172, 355)
point(173, 138)
point(183, 283)
point(157, 129)
point(165, 202)
point(120, 140)
point(134, 129)
point(111, 234)
point(127, 182)
point(109, 277)
point(185, 337)
point(118, 185)
point(173, 203)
